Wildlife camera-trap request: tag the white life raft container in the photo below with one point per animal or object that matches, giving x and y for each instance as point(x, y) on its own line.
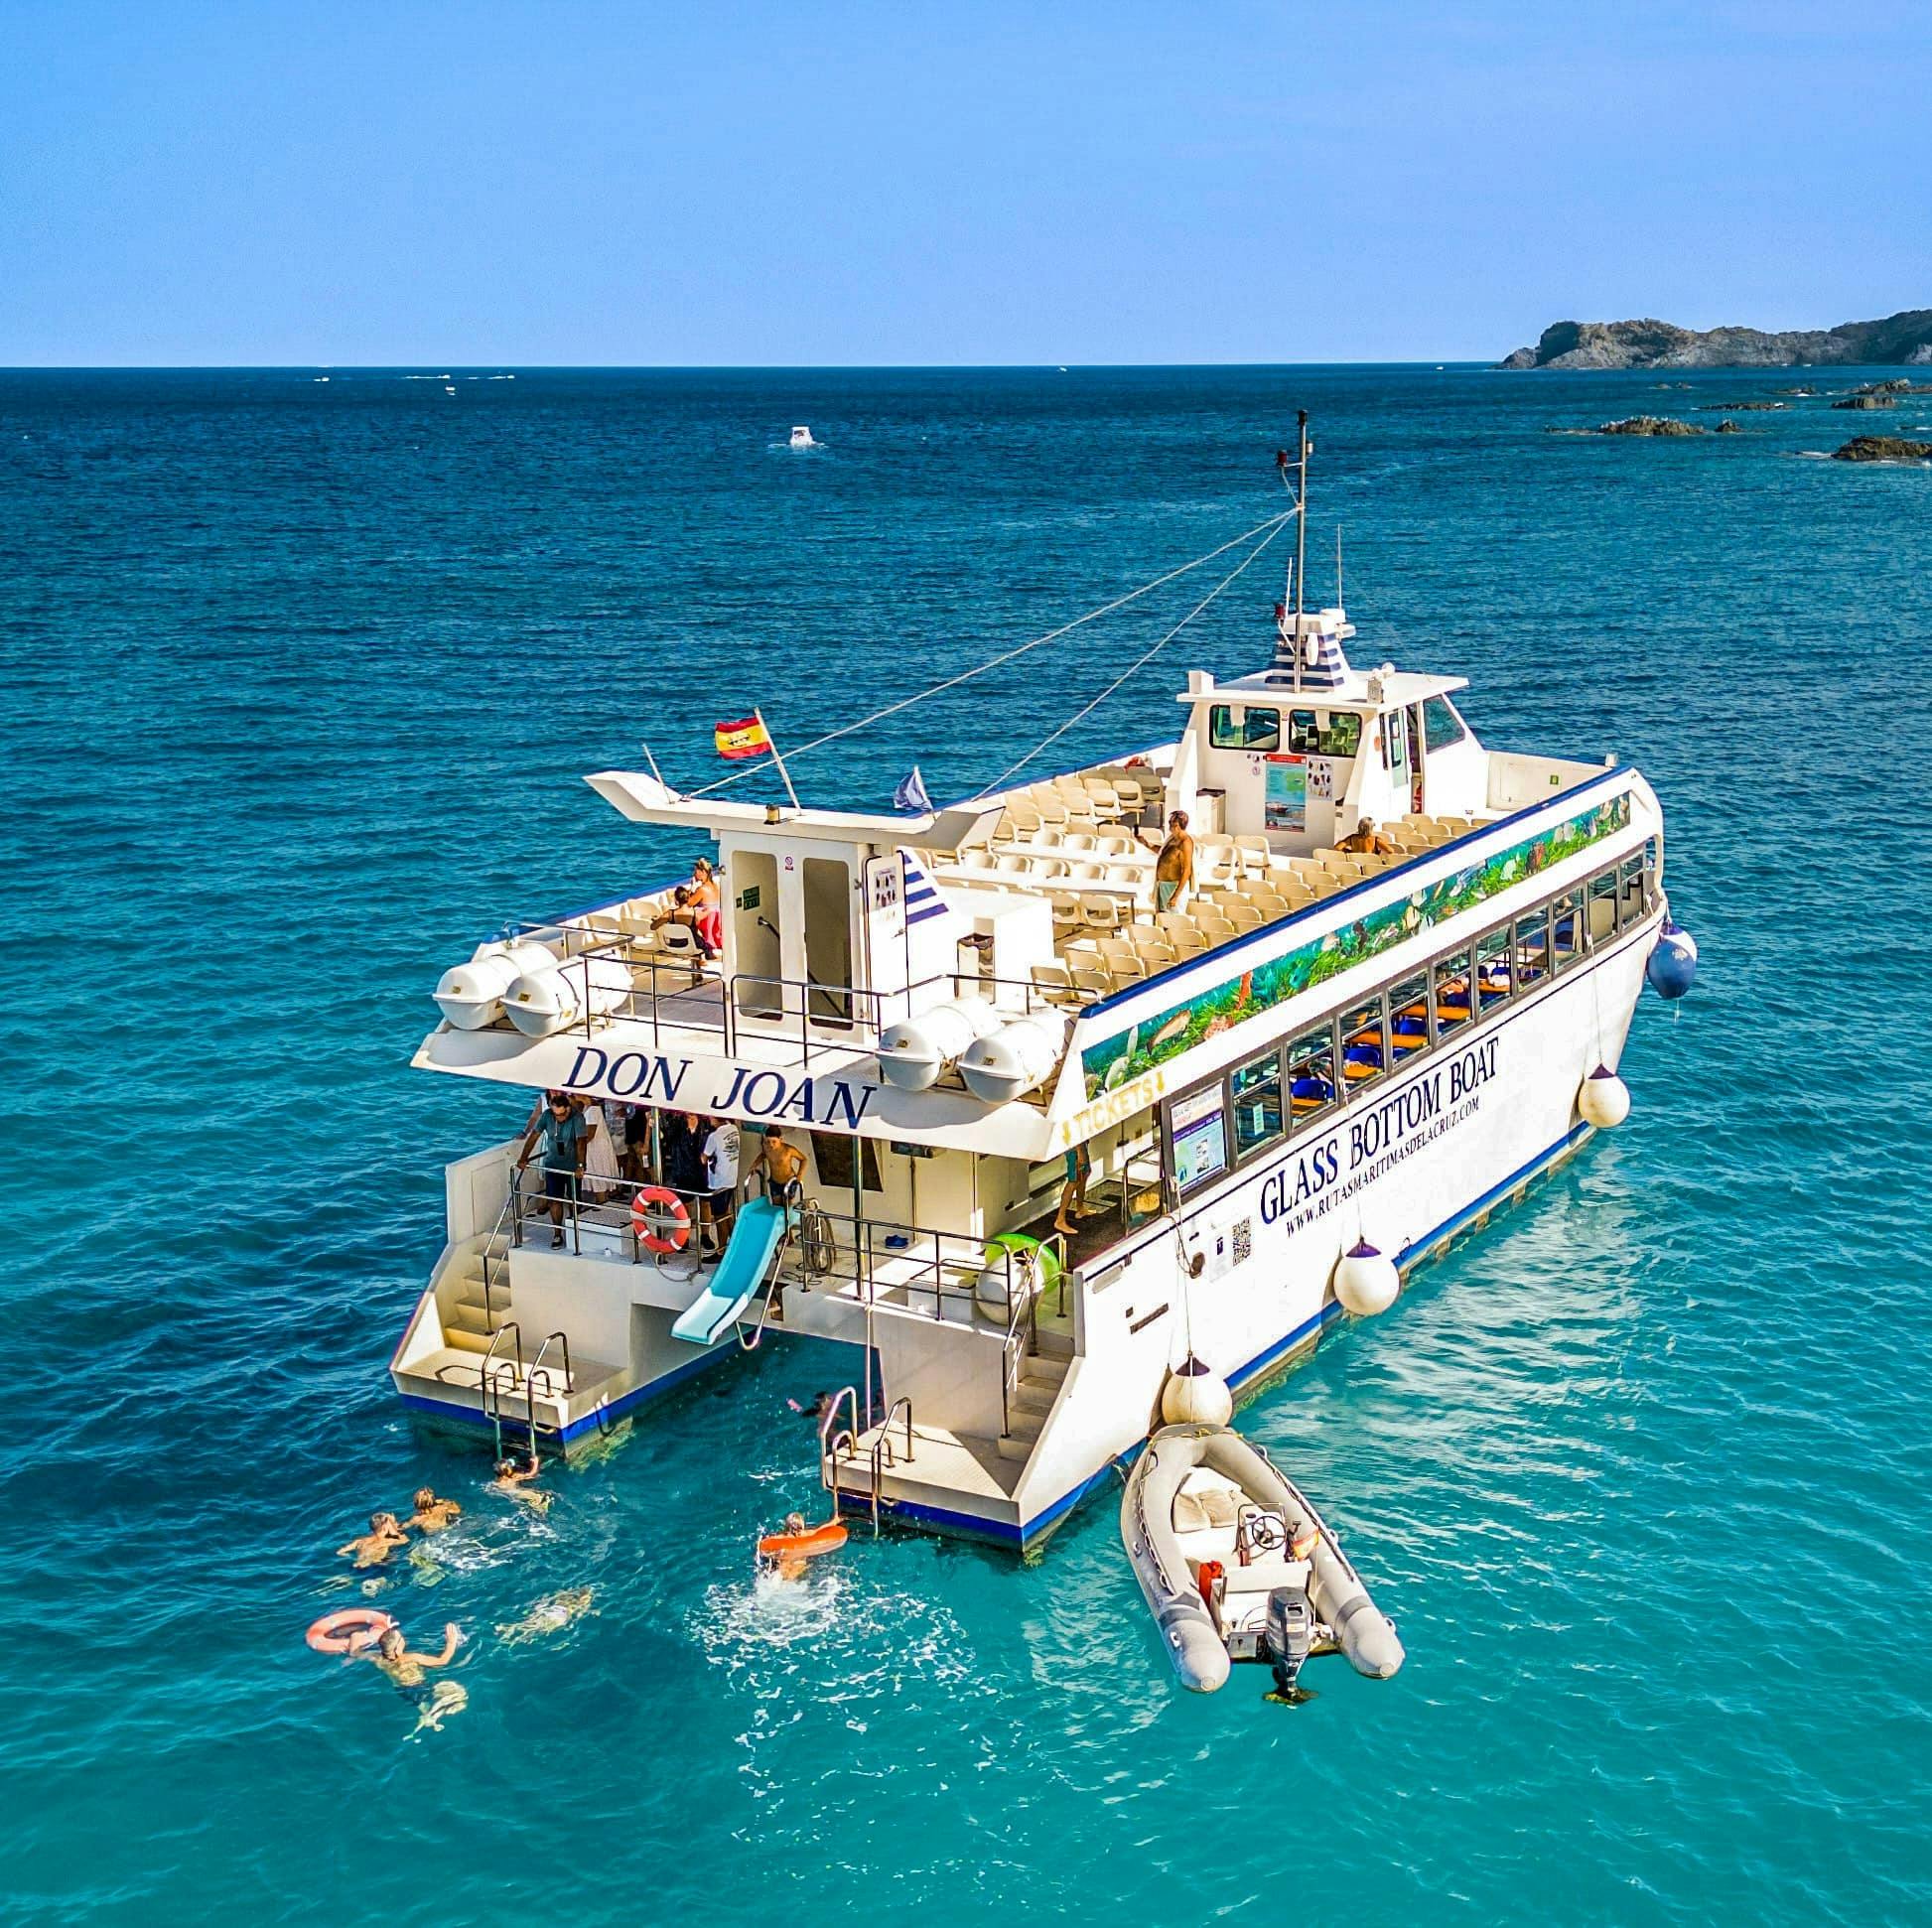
point(1018, 1058)
point(914, 1052)
point(542, 1003)
point(471, 995)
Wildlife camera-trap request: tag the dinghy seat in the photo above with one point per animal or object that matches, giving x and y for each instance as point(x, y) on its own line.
point(1263, 1576)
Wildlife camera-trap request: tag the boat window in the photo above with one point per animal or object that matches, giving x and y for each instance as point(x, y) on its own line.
point(1441, 726)
point(1198, 1129)
point(1364, 1043)
point(1493, 976)
point(1312, 1072)
point(1633, 889)
point(1232, 726)
point(1409, 1016)
point(1603, 905)
point(1257, 1092)
point(1565, 913)
point(1323, 733)
point(1532, 946)
point(1451, 975)
point(832, 1155)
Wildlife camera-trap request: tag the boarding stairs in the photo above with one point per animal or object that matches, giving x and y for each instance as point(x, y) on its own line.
point(893, 1461)
point(530, 1390)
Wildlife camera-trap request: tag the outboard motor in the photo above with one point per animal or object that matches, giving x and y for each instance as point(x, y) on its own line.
point(1290, 1634)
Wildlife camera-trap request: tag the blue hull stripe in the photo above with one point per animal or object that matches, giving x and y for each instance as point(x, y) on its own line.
point(577, 1429)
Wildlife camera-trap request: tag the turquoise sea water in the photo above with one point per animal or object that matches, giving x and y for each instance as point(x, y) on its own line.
point(300, 678)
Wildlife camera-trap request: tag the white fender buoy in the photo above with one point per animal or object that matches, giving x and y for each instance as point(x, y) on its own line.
point(1367, 1282)
point(1605, 1099)
point(1195, 1396)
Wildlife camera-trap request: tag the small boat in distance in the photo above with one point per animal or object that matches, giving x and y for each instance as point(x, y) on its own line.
point(802, 438)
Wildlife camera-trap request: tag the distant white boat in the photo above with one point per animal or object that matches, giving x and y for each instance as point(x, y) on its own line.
point(802, 438)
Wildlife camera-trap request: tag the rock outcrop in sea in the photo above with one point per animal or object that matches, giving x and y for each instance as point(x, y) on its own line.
point(1898, 339)
point(1647, 425)
point(1882, 448)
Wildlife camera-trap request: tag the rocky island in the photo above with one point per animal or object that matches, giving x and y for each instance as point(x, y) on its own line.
point(1900, 339)
point(1882, 448)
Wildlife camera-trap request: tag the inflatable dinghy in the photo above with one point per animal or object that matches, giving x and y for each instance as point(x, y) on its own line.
point(1236, 1565)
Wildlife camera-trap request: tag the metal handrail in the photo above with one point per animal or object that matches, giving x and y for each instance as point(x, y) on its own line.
point(882, 1445)
point(827, 1442)
point(777, 1265)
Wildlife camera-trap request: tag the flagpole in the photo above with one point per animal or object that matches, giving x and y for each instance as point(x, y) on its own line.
point(779, 760)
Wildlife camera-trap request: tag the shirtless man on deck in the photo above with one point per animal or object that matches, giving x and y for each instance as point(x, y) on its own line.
point(1173, 868)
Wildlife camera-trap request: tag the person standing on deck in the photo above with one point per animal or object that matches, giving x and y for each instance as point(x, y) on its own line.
point(561, 1133)
point(784, 1166)
point(710, 903)
point(1173, 868)
point(721, 1149)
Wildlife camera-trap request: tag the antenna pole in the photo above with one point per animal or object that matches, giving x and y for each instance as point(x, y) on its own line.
point(1301, 533)
point(1339, 602)
point(779, 760)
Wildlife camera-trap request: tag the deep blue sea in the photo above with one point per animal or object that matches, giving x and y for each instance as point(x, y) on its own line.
point(300, 681)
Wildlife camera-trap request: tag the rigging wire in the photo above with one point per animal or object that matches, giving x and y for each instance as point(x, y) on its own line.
point(1139, 663)
point(1270, 528)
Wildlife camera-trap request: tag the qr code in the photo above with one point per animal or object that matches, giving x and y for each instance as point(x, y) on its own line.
point(1244, 1239)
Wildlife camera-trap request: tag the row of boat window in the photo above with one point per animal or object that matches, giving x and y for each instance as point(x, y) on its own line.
point(1255, 1105)
point(1317, 732)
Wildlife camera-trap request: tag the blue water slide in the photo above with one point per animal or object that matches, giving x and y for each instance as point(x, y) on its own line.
point(755, 1240)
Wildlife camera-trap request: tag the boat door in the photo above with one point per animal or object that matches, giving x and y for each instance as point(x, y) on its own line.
point(793, 912)
point(1411, 730)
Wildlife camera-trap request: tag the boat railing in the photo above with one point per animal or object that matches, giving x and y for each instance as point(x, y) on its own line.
point(652, 988)
point(933, 1271)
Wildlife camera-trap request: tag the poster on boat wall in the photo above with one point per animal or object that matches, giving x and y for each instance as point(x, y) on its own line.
point(1287, 802)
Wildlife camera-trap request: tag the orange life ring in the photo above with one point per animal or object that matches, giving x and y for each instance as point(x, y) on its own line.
point(354, 1630)
point(670, 1213)
point(804, 1546)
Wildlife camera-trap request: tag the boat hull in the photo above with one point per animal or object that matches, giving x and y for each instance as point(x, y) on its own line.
point(1418, 1159)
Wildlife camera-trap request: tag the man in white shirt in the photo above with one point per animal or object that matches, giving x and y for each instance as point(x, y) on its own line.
point(721, 1149)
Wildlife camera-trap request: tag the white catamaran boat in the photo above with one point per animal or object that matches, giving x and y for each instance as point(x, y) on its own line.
point(1284, 1089)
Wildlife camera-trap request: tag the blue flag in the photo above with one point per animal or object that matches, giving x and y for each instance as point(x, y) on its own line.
point(911, 794)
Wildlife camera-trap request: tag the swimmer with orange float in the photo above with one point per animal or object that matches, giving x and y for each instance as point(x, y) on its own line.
point(788, 1549)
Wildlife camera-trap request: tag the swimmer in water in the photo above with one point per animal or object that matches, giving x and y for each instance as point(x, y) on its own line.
point(439, 1700)
point(816, 1411)
point(551, 1614)
point(393, 1655)
point(432, 1515)
point(791, 1566)
point(511, 1478)
point(374, 1548)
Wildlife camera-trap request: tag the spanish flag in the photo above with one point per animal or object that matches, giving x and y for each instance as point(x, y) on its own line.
point(746, 738)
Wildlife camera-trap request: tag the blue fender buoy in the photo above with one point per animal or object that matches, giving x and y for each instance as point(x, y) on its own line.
point(1672, 967)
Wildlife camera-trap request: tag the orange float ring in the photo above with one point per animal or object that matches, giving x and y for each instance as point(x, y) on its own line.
point(804, 1546)
point(671, 1212)
point(354, 1630)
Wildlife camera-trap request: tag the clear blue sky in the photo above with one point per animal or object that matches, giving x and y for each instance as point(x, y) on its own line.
point(759, 183)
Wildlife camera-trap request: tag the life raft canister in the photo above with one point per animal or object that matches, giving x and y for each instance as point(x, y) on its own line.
point(354, 1630)
point(804, 1546)
point(669, 1229)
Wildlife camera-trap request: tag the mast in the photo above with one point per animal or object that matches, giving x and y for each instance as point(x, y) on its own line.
point(1300, 532)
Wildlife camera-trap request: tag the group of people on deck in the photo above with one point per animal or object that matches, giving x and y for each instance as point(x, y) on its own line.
point(698, 1157)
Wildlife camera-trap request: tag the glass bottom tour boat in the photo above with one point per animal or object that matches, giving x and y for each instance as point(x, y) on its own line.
point(1258, 1101)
